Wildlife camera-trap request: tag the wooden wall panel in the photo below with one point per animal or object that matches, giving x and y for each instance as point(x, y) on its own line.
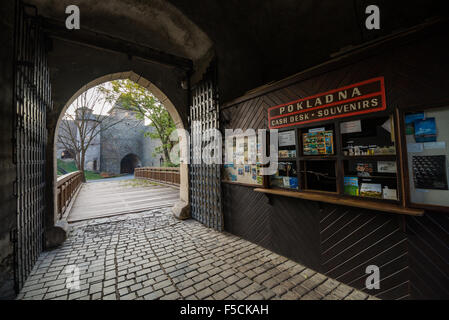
point(428, 242)
point(294, 229)
point(412, 253)
point(352, 239)
point(246, 214)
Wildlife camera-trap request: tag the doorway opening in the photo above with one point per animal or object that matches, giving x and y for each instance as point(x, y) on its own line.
point(129, 163)
point(68, 154)
point(124, 141)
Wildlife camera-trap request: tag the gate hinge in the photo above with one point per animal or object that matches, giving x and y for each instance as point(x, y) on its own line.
point(13, 235)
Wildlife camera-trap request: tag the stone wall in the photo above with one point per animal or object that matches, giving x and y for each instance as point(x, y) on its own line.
point(125, 137)
point(109, 147)
point(7, 167)
point(149, 146)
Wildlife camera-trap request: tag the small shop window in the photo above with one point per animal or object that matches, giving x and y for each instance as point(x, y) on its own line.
point(350, 150)
point(286, 176)
point(318, 141)
point(368, 137)
point(287, 145)
point(371, 178)
point(352, 158)
point(427, 138)
point(319, 175)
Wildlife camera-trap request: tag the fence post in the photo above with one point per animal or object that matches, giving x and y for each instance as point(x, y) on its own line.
point(66, 186)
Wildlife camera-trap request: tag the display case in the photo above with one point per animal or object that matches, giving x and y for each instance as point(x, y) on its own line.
point(425, 139)
point(286, 176)
point(352, 149)
point(241, 168)
point(355, 159)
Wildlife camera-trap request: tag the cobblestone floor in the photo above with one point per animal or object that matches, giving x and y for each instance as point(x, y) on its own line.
point(151, 255)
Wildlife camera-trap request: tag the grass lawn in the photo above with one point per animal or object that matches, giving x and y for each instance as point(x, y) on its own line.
point(70, 166)
point(90, 175)
point(138, 183)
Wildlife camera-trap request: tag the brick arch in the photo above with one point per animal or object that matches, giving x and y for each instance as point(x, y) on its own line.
point(183, 205)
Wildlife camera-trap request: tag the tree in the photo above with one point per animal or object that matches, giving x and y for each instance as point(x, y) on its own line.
point(136, 98)
point(83, 122)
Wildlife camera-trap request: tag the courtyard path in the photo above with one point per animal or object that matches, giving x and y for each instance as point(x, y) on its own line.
point(151, 255)
point(114, 197)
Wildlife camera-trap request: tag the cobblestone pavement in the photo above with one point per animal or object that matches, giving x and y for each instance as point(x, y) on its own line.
point(151, 255)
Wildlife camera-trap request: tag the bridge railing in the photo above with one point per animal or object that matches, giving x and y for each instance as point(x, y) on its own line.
point(165, 175)
point(66, 186)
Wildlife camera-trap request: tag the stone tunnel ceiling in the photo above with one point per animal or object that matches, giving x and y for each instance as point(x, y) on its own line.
point(153, 23)
point(256, 41)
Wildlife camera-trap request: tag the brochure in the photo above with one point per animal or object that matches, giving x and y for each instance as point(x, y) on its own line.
point(351, 186)
point(425, 130)
point(373, 190)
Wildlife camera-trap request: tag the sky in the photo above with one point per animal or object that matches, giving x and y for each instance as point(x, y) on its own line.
point(102, 107)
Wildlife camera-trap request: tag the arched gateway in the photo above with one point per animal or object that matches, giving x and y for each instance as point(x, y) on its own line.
point(181, 209)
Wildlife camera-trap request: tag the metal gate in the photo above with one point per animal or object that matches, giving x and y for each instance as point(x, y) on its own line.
point(205, 179)
point(31, 100)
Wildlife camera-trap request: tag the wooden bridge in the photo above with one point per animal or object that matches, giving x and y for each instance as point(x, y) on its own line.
point(113, 197)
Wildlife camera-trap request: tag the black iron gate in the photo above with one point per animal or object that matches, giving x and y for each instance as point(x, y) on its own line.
point(31, 100)
point(205, 179)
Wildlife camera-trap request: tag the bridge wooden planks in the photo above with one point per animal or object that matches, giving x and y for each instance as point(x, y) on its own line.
point(109, 198)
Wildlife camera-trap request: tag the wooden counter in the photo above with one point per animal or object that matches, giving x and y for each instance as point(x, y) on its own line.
point(365, 204)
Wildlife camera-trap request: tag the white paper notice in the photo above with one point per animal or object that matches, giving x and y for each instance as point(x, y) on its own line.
point(387, 125)
point(414, 147)
point(435, 145)
point(317, 130)
point(286, 181)
point(287, 138)
point(351, 126)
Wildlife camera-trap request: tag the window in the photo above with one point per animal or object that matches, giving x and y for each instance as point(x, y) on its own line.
point(350, 158)
point(426, 141)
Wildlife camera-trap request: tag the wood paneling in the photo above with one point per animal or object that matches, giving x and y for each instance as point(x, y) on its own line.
point(428, 243)
point(411, 252)
point(352, 239)
point(295, 229)
point(246, 214)
point(335, 199)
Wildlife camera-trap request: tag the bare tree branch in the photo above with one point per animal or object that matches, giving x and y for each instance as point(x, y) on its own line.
point(83, 122)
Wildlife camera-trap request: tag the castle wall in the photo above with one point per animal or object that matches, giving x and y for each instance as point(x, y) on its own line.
point(112, 144)
point(149, 146)
point(126, 137)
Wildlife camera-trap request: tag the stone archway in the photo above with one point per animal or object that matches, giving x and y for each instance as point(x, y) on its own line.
point(129, 163)
point(181, 209)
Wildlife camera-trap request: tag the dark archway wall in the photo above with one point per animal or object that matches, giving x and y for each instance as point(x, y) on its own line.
point(72, 66)
point(257, 42)
point(153, 23)
point(7, 167)
point(412, 252)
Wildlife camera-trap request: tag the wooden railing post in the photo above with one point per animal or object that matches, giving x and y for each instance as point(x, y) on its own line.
point(66, 186)
point(165, 175)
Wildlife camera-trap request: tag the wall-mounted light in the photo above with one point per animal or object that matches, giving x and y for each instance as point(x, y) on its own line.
point(184, 84)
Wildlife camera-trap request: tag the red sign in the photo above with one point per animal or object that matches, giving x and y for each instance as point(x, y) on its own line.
point(359, 98)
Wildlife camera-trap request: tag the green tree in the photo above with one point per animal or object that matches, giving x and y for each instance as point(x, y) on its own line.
point(136, 98)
